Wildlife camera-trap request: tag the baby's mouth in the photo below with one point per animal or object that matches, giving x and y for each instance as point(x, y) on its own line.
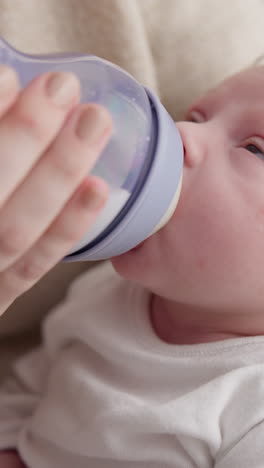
point(137, 247)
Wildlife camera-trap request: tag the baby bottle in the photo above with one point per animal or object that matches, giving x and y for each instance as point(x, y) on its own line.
point(142, 163)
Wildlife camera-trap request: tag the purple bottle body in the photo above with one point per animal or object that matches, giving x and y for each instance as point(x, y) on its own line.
point(142, 162)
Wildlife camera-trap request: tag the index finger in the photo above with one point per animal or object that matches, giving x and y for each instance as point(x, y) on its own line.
point(9, 88)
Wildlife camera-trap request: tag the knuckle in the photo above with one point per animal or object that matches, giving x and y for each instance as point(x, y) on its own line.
point(28, 123)
point(66, 163)
point(71, 236)
point(12, 285)
point(63, 235)
point(12, 243)
point(28, 270)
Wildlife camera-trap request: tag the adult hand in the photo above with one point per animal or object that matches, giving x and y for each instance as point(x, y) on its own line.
point(48, 144)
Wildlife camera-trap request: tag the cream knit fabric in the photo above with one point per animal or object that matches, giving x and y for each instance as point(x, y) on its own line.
point(179, 47)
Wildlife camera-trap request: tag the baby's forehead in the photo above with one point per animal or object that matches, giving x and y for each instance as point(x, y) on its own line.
point(247, 86)
point(250, 78)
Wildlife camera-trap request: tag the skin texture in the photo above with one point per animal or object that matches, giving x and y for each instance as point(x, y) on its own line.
point(205, 267)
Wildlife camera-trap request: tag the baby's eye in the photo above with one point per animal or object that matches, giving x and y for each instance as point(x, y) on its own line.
point(252, 148)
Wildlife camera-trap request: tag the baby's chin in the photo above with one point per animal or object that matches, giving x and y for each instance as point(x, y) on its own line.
point(129, 262)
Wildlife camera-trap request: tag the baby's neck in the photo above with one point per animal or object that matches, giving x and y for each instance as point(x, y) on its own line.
point(179, 324)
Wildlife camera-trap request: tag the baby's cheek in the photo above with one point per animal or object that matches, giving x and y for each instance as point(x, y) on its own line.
point(260, 220)
point(213, 245)
point(201, 263)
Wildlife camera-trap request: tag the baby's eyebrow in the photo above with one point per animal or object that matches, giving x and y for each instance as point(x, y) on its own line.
point(205, 100)
point(209, 99)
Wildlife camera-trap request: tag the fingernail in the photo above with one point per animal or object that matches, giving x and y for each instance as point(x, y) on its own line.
point(92, 124)
point(8, 78)
point(62, 87)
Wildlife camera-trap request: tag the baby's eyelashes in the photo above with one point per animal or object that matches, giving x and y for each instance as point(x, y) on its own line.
point(255, 150)
point(255, 145)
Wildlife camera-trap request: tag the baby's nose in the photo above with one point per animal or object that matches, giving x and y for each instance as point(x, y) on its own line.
point(194, 142)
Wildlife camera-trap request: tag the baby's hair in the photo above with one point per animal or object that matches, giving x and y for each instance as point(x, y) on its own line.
point(259, 61)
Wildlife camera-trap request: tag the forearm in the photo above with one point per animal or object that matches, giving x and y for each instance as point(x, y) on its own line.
point(10, 459)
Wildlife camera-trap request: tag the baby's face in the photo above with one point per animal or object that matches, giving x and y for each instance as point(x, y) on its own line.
point(211, 253)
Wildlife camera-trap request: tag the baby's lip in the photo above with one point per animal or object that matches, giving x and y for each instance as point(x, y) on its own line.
point(185, 155)
point(183, 144)
point(138, 246)
point(187, 159)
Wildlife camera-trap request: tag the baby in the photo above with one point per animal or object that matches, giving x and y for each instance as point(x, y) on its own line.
point(157, 358)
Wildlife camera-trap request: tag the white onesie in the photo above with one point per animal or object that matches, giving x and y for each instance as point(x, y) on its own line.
point(105, 392)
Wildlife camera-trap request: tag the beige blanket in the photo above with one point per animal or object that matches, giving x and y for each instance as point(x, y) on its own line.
point(179, 48)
